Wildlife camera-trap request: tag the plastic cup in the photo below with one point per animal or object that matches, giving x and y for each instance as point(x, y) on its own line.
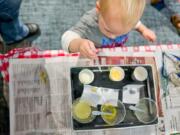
point(86, 76)
point(116, 74)
point(149, 110)
point(82, 111)
point(140, 74)
point(117, 113)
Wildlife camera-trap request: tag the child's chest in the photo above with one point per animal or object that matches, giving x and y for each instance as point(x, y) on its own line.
point(102, 41)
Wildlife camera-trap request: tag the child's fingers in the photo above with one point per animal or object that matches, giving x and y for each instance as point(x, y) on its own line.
point(91, 49)
point(92, 46)
point(153, 38)
point(150, 38)
point(85, 54)
point(88, 50)
point(91, 54)
point(88, 53)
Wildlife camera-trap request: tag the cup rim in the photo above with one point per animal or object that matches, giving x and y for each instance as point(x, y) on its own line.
point(119, 69)
point(116, 123)
point(84, 121)
point(88, 71)
point(156, 111)
point(146, 73)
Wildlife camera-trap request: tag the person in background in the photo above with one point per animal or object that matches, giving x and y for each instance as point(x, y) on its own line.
point(12, 30)
point(174, 9)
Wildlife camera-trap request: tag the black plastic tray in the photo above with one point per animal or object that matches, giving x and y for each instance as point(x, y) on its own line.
point(102, 80)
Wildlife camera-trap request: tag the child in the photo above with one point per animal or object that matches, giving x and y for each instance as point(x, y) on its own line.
point(108, 25)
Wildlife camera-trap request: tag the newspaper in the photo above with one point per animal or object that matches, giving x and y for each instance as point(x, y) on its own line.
point(171, 92)
point(40, 101)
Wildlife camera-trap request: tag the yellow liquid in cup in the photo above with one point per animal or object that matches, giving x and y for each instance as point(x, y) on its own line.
point(116, 74)
point(82, 110)
point(110, 109)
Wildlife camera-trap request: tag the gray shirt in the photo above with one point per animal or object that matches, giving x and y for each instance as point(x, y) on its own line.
point(88, 27)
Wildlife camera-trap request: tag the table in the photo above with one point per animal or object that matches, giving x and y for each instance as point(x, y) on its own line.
point(60, 122)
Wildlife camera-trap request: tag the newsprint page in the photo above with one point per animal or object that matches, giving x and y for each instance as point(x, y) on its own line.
point(40, 95)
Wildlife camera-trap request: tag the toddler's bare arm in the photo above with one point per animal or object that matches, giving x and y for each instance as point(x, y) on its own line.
point(146, 32)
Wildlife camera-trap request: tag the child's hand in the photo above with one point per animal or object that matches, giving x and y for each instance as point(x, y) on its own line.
point(87, 49)
point(146, 32)
point(149, 34)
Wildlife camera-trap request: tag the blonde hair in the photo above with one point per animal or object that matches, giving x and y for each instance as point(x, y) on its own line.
point(129, 11)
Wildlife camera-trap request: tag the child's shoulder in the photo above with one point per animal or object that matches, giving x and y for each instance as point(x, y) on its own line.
point(90, 16)
point(92, 12)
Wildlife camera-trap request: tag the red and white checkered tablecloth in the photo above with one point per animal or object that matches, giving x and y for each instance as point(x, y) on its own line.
point(32, 52)
point(22, 53)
